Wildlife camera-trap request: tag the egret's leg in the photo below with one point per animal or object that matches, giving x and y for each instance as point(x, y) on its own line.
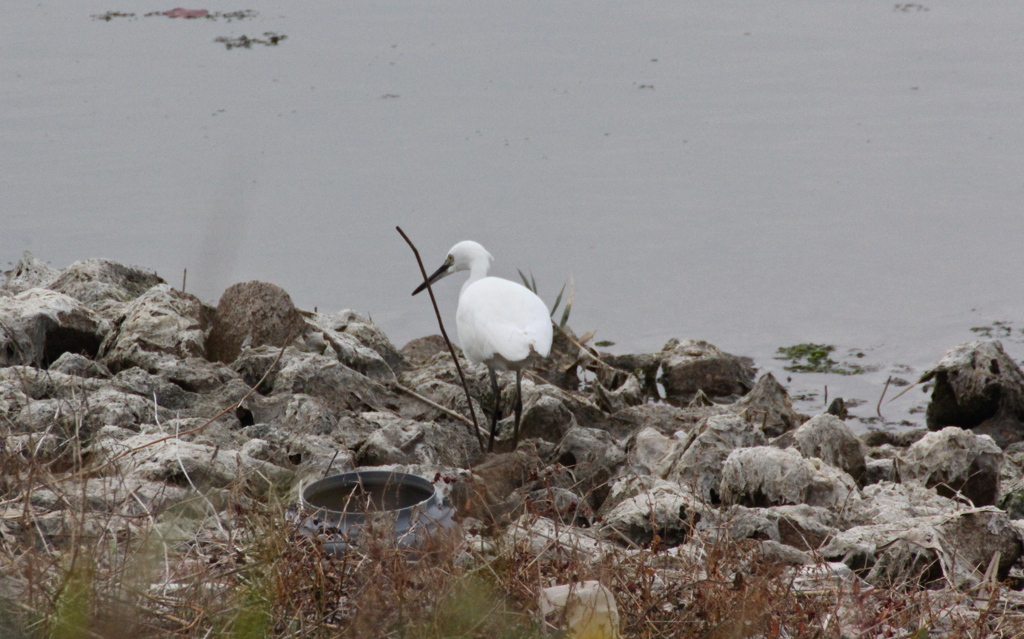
point(496, 415)
point(518, 409)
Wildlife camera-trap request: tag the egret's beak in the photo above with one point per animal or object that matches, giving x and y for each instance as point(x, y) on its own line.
point(438, 274)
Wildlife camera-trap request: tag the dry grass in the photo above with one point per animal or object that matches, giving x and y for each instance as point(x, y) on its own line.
point(232, 563)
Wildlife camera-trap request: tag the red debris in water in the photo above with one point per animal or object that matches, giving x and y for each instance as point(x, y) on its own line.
point(187, 13)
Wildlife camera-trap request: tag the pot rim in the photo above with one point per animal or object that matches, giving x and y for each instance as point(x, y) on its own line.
point(373, 477)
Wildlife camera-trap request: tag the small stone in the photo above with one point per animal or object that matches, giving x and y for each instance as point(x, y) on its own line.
point(80, 366)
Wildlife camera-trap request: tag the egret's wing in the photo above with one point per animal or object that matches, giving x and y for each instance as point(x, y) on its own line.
point(499, 317)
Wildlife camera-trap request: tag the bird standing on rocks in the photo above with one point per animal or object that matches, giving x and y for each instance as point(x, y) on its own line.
point(501, 323)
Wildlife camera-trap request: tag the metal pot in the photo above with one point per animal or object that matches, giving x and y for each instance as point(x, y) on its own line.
point(342, 506)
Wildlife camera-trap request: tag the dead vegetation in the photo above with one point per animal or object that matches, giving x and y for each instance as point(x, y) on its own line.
point(86, 554)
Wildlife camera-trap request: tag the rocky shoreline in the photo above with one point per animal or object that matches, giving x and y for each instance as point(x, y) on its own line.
point(137, 396)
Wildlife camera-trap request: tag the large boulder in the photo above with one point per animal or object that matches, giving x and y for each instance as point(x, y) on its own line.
point(799, 526)
point(644, 365)
point(593, 456)
point(77, 418)
point(79, 365)
point(403, 441)
point(890, 503)
point(955, 461)
point(665, 418)
point(958, 547)
point(698, 462)
point(646, 450)
point(348, 350)
point(156, 457)
point(628, 393)
point(977, 386)
point(96, 281)
point(829, 439)
point(644, 510)
point(422, 350)
point(252, 314)
point(542, 537)
point(22, 384)
point(449, 396)
point(29, 272)
point(489, 492)
point(37, 326)
point(769, 407)
point(369, 334)
point(153, 388)
point(544, 416)
point(548, 412)
point(341, 388)
point(689, 367)
point(300, 413)
point(161, 324)
point(768, 476)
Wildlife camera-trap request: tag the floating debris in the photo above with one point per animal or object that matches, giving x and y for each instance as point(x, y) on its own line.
point(181, 12)
point(110, 15)
point(997, 330)
point(815, 358)
point(188, 14)
point(270, 39)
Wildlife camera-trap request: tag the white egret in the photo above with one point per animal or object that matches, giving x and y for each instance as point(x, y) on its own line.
point(501, 324)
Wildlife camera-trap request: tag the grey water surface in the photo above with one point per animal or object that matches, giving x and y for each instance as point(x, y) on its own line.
point(756, 174)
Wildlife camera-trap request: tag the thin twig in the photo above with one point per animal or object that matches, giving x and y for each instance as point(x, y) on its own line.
point(878, 408)
point(444, 334)
point(330, 464)
point(433, 404)
point(903, 392)
point(589, 351)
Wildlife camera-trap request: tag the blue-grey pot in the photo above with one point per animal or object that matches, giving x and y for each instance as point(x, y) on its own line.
point(340, 507)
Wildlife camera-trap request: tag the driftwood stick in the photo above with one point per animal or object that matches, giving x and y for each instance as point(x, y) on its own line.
point(444, 334)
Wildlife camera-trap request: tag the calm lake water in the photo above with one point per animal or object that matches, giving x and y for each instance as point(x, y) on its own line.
point(756, 174)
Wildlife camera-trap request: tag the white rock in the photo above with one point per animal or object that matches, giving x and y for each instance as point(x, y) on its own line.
point(638, 508)
point(767, 476)
point(698, 462)
point(541, 536)
point(958, 546)
point(40, 325)
point(160, 324)
point(955, 460)
point(829, 439)
point(889, 503)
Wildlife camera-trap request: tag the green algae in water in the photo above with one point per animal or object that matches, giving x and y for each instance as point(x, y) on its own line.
point(816, 358)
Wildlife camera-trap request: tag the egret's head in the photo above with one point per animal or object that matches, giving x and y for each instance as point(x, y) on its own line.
point(464, 256)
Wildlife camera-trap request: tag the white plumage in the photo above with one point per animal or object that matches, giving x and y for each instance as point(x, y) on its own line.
point(501, 324)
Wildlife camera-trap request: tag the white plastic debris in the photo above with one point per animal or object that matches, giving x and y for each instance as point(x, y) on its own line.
point(588, 607)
